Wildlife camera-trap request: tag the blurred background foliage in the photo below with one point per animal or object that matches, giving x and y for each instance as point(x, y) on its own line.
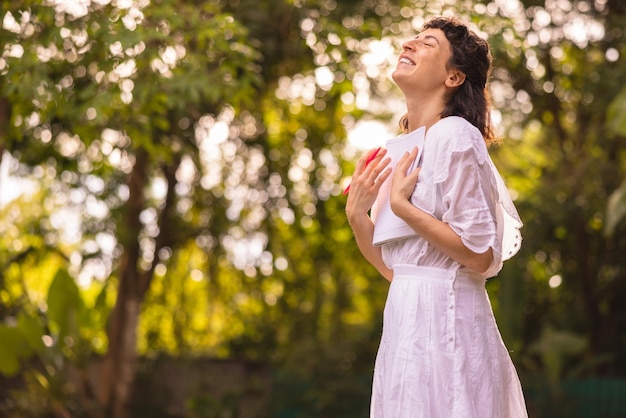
point(170, 186)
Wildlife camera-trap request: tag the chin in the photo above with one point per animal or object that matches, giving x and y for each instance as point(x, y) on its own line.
point(399, 78)
point(395, 75)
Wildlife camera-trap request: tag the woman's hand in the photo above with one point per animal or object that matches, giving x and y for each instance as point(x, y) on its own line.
point(367, 179)
point(403, 184)
point(369, 175)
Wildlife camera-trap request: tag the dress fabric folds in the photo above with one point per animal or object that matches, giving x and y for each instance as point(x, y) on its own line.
point(441, 354)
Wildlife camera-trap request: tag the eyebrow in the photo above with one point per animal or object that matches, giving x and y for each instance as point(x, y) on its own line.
point(428, 37)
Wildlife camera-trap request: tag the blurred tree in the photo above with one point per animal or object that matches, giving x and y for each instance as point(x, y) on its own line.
point(190, 158)
point(108, 97)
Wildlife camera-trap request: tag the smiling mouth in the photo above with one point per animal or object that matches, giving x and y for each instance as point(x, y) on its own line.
point(407, 61)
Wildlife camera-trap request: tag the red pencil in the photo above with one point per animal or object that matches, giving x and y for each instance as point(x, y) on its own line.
point(369, 160)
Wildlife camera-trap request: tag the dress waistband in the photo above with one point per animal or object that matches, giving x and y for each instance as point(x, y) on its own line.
point(410, 271)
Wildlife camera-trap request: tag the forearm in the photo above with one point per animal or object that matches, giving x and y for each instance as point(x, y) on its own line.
point(441, 236)
point(363, 229)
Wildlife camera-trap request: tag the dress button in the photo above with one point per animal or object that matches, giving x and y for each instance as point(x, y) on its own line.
point(451, 339)
point(451, 306)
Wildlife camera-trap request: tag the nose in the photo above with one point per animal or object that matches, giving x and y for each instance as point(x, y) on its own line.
point(408, 45)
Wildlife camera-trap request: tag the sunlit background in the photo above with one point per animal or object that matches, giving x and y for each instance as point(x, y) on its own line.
point(171, 180)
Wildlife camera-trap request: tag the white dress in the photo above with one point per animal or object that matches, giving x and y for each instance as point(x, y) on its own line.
point(441, 354)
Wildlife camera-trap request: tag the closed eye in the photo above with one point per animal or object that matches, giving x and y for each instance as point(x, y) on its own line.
point(428, 40)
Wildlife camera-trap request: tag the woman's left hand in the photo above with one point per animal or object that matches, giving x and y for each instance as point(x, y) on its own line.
point(403, 184)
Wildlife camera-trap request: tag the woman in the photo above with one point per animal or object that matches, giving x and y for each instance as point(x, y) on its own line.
point(441, 354)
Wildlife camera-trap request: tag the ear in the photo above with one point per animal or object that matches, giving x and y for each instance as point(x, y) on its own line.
point(455, 78)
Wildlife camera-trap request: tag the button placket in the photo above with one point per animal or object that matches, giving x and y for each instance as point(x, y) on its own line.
point(450, 326)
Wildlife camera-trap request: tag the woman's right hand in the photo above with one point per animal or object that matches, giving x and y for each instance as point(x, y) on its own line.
point(366, 182)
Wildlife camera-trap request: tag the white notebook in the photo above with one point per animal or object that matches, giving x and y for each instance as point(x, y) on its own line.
point(387, 226)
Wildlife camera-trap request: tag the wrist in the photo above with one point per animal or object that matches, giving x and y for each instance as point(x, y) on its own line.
point(355, 219)
point(400, 206)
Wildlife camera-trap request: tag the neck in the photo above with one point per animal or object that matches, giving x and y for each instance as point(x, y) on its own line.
point(423, 113)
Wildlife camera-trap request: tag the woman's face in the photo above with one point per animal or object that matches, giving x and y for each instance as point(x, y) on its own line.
point(423, 64)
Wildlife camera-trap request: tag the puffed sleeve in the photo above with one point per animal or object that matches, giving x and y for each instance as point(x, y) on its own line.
point(476, 204)
point(469, 202)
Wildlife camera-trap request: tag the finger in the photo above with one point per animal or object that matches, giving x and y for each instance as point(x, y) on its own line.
point(414, 176)
point(382, 177)
point(372, 156)
point(377, 162)
point(373, 175)
point(360, 167)
point(406, 161)
point(402, 164)
point(412, 155)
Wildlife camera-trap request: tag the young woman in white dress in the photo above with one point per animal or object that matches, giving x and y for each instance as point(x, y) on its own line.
point(441, 354)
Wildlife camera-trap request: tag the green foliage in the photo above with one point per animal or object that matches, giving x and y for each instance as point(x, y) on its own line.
point(192, 145)
point(565, 163)
point(49, 349)
point(15, 347)
point(615, 209)
point(556, 346)
point(209, 407)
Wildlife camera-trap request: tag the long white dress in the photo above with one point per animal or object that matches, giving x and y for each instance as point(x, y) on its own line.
point(441, 354)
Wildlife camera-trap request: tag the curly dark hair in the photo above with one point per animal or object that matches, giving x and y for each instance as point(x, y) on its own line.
point(471, 55)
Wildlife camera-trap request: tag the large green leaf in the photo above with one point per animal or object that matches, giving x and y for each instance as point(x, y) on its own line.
point(14, 348)
point(32, 331)
point(65, 305)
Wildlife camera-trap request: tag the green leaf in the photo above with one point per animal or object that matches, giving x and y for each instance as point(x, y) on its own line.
point(14, 347)
point(615, 209)
point(31, 330)
point(64, 304)
point(616, 115)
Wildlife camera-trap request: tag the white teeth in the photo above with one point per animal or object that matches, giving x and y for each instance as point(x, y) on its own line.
point(406, 61)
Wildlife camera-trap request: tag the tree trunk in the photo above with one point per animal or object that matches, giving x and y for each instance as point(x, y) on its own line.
point(119, 366)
